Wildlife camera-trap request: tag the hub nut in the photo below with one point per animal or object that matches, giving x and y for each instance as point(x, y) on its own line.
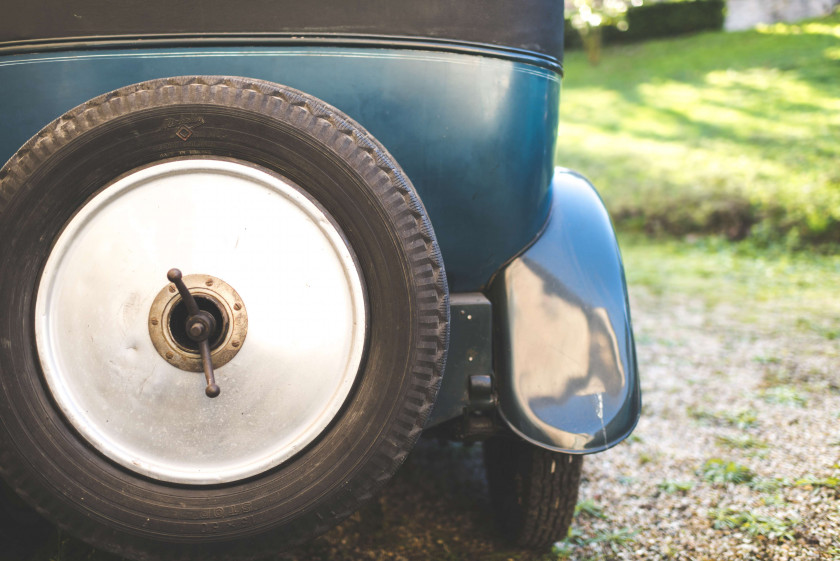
point(221, 300)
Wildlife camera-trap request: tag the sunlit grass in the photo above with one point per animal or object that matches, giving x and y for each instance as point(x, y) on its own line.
point(801, 284)
point(809, 28)
point(735, 133)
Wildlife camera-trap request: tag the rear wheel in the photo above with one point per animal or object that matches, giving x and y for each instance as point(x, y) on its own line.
point(533, 490)
point(306, 247)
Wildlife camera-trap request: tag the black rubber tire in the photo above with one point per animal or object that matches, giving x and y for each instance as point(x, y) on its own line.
point(533, 491)
point(359, 184)
point(21, 529)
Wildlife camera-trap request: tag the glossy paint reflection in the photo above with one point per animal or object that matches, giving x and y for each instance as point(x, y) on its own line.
point(566, 364)
point(475, 134)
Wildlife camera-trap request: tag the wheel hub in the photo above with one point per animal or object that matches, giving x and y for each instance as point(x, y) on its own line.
point(168, 316)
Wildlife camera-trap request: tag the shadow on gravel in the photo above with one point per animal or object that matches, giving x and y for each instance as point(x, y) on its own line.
point(435, 508)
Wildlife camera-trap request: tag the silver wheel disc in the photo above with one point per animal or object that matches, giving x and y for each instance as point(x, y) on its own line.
point(306, 320)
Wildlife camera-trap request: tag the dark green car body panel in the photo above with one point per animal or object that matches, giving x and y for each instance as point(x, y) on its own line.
point(475, 134)
point(465, 96)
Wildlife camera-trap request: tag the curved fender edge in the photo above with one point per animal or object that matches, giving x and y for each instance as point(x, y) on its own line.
point(565, 357)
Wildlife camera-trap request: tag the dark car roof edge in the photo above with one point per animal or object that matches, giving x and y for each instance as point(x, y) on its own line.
point(279, 39)
point(530, 25)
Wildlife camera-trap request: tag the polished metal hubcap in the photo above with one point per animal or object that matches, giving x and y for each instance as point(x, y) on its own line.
point(106, 361)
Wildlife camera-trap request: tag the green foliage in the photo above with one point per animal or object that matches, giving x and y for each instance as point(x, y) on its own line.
point(668, 19)
point(768, 485)
point(645, 458)
point(590, 508)
point(699, 414)
point(745, 419)
point(783, 395)
point(829, 332)
point(741, 441)
point(813, 482)
point(720, 471)
point(755, 280)
point(616, 539)
point(589, 17)
point(565, 549)
point(761, 359)
point(728, 133)
point(582, 14)
point(741, 419)
point(754, 524)
point(672, 486)
point(613, 540)
point(773, 500)
point(628, 22)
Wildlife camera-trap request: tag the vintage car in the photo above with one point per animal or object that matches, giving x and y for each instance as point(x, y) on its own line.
point(250, 251)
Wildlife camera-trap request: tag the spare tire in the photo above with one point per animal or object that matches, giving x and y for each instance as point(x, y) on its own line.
point(299, 231)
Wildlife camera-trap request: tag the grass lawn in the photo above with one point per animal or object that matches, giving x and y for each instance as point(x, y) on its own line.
point(798, 288)
point(735, 133)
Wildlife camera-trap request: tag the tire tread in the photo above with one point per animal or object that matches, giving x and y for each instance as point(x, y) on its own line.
point(533, 491)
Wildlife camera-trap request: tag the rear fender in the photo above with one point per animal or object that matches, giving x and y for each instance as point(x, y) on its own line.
point(565, 358)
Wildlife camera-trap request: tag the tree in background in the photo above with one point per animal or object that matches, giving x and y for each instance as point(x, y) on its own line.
point(588, 17)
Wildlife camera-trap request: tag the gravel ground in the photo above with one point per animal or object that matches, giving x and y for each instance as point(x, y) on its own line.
point(735, 457)
point(761, 394)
